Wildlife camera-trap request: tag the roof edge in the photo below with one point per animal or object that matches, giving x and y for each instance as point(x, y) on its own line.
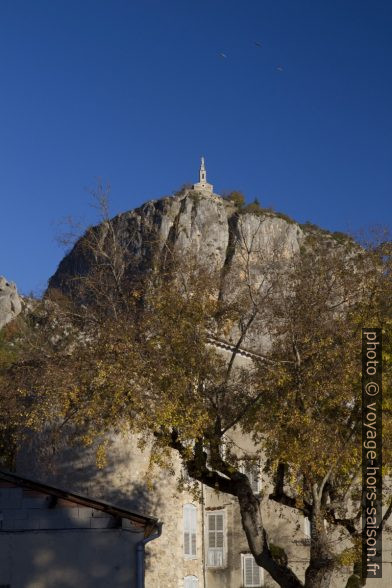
point(79, 499)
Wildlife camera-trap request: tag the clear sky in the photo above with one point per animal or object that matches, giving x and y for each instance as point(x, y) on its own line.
point(296, 112)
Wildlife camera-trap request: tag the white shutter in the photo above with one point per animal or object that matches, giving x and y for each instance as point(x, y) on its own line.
point(215, 530)
point(252, 470)
point(256, 479)
point(307, 527)
point(191, 582)
point(252, 574)
point(248, 571)
point(190, 528)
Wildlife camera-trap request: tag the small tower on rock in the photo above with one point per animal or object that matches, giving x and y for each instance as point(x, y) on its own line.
point(202, 185)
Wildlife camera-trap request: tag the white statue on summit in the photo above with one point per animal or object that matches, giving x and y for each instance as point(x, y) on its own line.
point(202, 185)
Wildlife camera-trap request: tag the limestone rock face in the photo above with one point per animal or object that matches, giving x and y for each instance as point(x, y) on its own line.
point(194, 223)
point(10, 301)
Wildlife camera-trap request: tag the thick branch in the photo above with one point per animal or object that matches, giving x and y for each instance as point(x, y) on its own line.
point(279, 495)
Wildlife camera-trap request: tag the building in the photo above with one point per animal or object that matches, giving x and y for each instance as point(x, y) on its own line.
point(53, 538)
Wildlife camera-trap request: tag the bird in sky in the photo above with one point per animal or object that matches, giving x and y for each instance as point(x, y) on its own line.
point(223, 55)
point(279, 68)
point(258, 44)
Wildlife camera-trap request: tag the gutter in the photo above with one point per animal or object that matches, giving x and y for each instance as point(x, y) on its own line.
point(140, 555)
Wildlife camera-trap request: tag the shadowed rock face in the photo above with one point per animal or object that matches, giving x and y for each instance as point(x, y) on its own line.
point(10, 302)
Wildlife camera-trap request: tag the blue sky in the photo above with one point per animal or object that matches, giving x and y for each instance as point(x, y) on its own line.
point(134, 91)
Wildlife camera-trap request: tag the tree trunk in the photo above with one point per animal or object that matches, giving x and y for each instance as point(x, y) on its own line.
point(355, 580)
point(258, 540)
point(321, 565)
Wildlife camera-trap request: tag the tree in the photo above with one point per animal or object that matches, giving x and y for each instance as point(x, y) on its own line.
point(139, 355)
point(236, 197)
point(314, 398)
point(10, 407)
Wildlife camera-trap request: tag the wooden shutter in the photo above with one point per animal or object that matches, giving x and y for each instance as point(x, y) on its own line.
point(252, 573)
point(215, 530)
point(190, 528)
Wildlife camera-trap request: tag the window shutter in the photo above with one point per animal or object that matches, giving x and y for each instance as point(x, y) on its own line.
point(248, 572)
point(255, 479)
point(252, 470)
point(253, 576)
point(256, 573)
point(190, 528)
point(215, 539)
point(307, 527)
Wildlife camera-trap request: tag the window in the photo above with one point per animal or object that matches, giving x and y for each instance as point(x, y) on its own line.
point(252, 574)
point(190, 522)
point(215, 539)
point(307, 527)
point(252, 470)
point(191, 582)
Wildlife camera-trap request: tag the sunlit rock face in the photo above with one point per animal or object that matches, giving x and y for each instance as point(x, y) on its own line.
point(205, 225)
point(196, 225)
point(10, 301)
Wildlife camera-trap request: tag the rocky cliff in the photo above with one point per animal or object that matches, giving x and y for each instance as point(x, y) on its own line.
point(10, 301)
point(204, 225)
point(214, 229)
